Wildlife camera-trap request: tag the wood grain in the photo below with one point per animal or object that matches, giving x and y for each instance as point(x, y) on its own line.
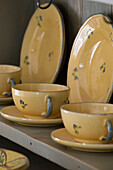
point(14, 17)
point(91, 8)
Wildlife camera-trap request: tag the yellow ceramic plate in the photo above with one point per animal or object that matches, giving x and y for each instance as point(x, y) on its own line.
point(90, 69)
point(61, 136)
point(43, 46)
point(13, 114)
point(12, 160)
point(6, 100)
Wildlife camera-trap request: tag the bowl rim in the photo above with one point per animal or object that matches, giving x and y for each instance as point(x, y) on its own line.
point(84, 113)
point(46, 91)
point(6, 65)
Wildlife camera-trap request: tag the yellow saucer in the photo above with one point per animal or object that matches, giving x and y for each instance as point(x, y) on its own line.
point(61, 136)
point(13, 114)
point(6, 100)
point(12, 160)
point(43, 46)
point(90, 69)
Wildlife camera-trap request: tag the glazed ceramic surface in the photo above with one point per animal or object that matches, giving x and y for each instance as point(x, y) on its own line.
point(12, 160)
point(13, 114)
point(6, 100)
point(89, 122)
point(8, 72)
point(61, 136)
point(90, 69)
point(39, 99)
point(43, 46)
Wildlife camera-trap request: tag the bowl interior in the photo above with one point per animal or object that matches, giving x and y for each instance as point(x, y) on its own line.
point(36, 87)
point(9, 69)
point(89, 108)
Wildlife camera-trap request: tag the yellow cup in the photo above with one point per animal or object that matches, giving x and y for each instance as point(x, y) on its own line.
point(89, 122)
point(40, 99)
point(9, 75)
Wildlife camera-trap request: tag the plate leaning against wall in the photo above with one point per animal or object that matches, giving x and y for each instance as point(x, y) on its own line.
point(90, 69)
point(43, 46)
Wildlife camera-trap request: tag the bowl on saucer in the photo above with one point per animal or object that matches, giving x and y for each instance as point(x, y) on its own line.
point(12, 113)
point(40, 100)
point(89, 122)
point(9, 75)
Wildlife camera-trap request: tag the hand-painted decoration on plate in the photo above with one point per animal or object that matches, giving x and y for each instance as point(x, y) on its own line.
point(12, 160)
point(90, 69)
point(43, 46)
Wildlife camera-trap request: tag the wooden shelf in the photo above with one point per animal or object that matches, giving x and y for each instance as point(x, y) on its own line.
point(103, 1)
point(38, 140)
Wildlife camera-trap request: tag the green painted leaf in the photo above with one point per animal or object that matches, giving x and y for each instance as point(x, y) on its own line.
point(76, 131)
point(76, 78)
point(101, 67)
point(27, 62)
point(39, 24)
point(23, 106)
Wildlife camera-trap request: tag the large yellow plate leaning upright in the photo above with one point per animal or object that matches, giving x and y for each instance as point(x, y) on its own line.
point(43, 46)
point(90, 69)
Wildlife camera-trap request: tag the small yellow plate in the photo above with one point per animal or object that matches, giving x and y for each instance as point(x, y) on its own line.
point(61, 136)
point(13, 114)
point(43, 46)
point(12, 160)
point(90, 69)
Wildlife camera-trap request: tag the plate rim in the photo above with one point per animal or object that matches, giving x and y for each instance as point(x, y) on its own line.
point(81, 146)
point(29, 121)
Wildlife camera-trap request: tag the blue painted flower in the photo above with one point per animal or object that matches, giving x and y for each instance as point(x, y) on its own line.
point(49, 54)
point(21, 102)
point(75, 69)
point(104, 69)
point(40, 18)
point(74, 126)
point(26, 57)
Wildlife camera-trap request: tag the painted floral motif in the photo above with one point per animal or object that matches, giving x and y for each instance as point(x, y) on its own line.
point(76, 128)
point(103, 68)
point(26, 60)
point(39, 20)
point(65, 101)
point(50, 55)
point(89, 33)
point(23, 104)
point(75, 70)
point(111, 36)
point(2, 158)
point(11, 164)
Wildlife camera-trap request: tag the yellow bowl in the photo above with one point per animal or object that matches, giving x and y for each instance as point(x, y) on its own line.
point(40, 99)
point(7, 73)
point(89, 122)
